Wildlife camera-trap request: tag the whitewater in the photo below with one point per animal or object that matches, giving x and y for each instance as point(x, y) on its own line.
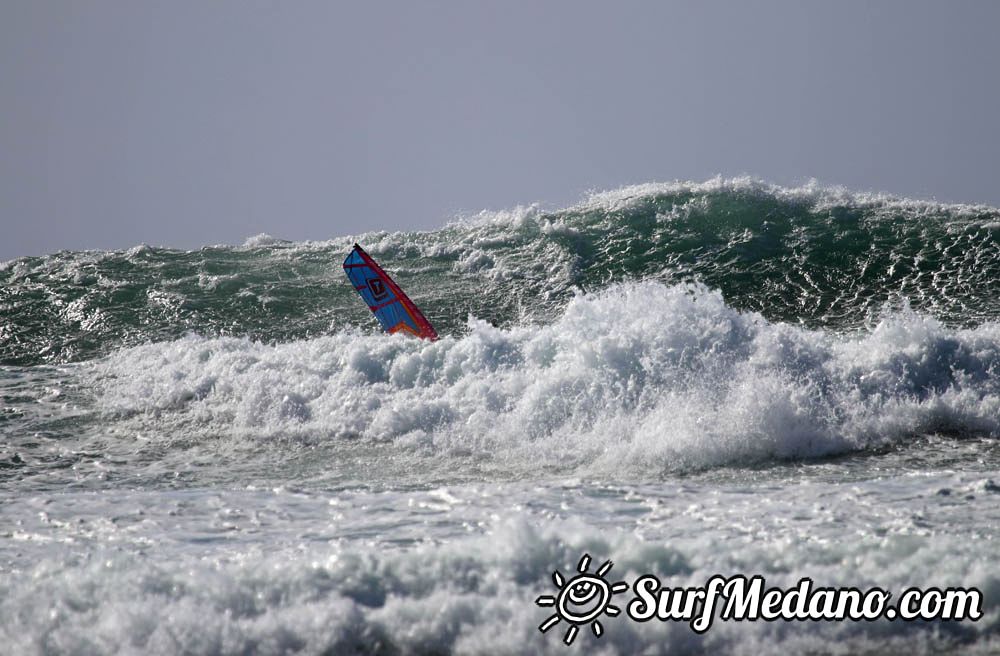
point(217, 452)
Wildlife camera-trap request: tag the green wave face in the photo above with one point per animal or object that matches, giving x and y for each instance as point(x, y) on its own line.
point(823, 257)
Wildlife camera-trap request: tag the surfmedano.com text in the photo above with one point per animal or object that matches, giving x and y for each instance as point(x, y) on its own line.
point(739, 598)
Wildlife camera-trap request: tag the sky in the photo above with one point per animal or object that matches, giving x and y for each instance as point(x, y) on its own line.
point(191, 123)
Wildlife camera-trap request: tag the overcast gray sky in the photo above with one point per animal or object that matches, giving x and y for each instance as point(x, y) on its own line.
point(193, 122)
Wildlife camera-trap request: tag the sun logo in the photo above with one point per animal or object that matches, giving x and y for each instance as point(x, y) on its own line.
point(581, 600)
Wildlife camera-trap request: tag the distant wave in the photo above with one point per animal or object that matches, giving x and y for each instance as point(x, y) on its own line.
point(823, 257)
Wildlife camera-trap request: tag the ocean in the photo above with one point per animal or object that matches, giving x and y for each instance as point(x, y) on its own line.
point(217, 452)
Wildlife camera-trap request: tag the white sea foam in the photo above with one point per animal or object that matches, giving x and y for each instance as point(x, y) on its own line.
point(638, 378)
point(471, 595)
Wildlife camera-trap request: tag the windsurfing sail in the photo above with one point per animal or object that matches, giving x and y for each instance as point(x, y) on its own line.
point(393, 309)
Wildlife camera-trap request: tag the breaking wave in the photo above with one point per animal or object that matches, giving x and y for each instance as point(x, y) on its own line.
point(638, 378)
point(823, 257)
